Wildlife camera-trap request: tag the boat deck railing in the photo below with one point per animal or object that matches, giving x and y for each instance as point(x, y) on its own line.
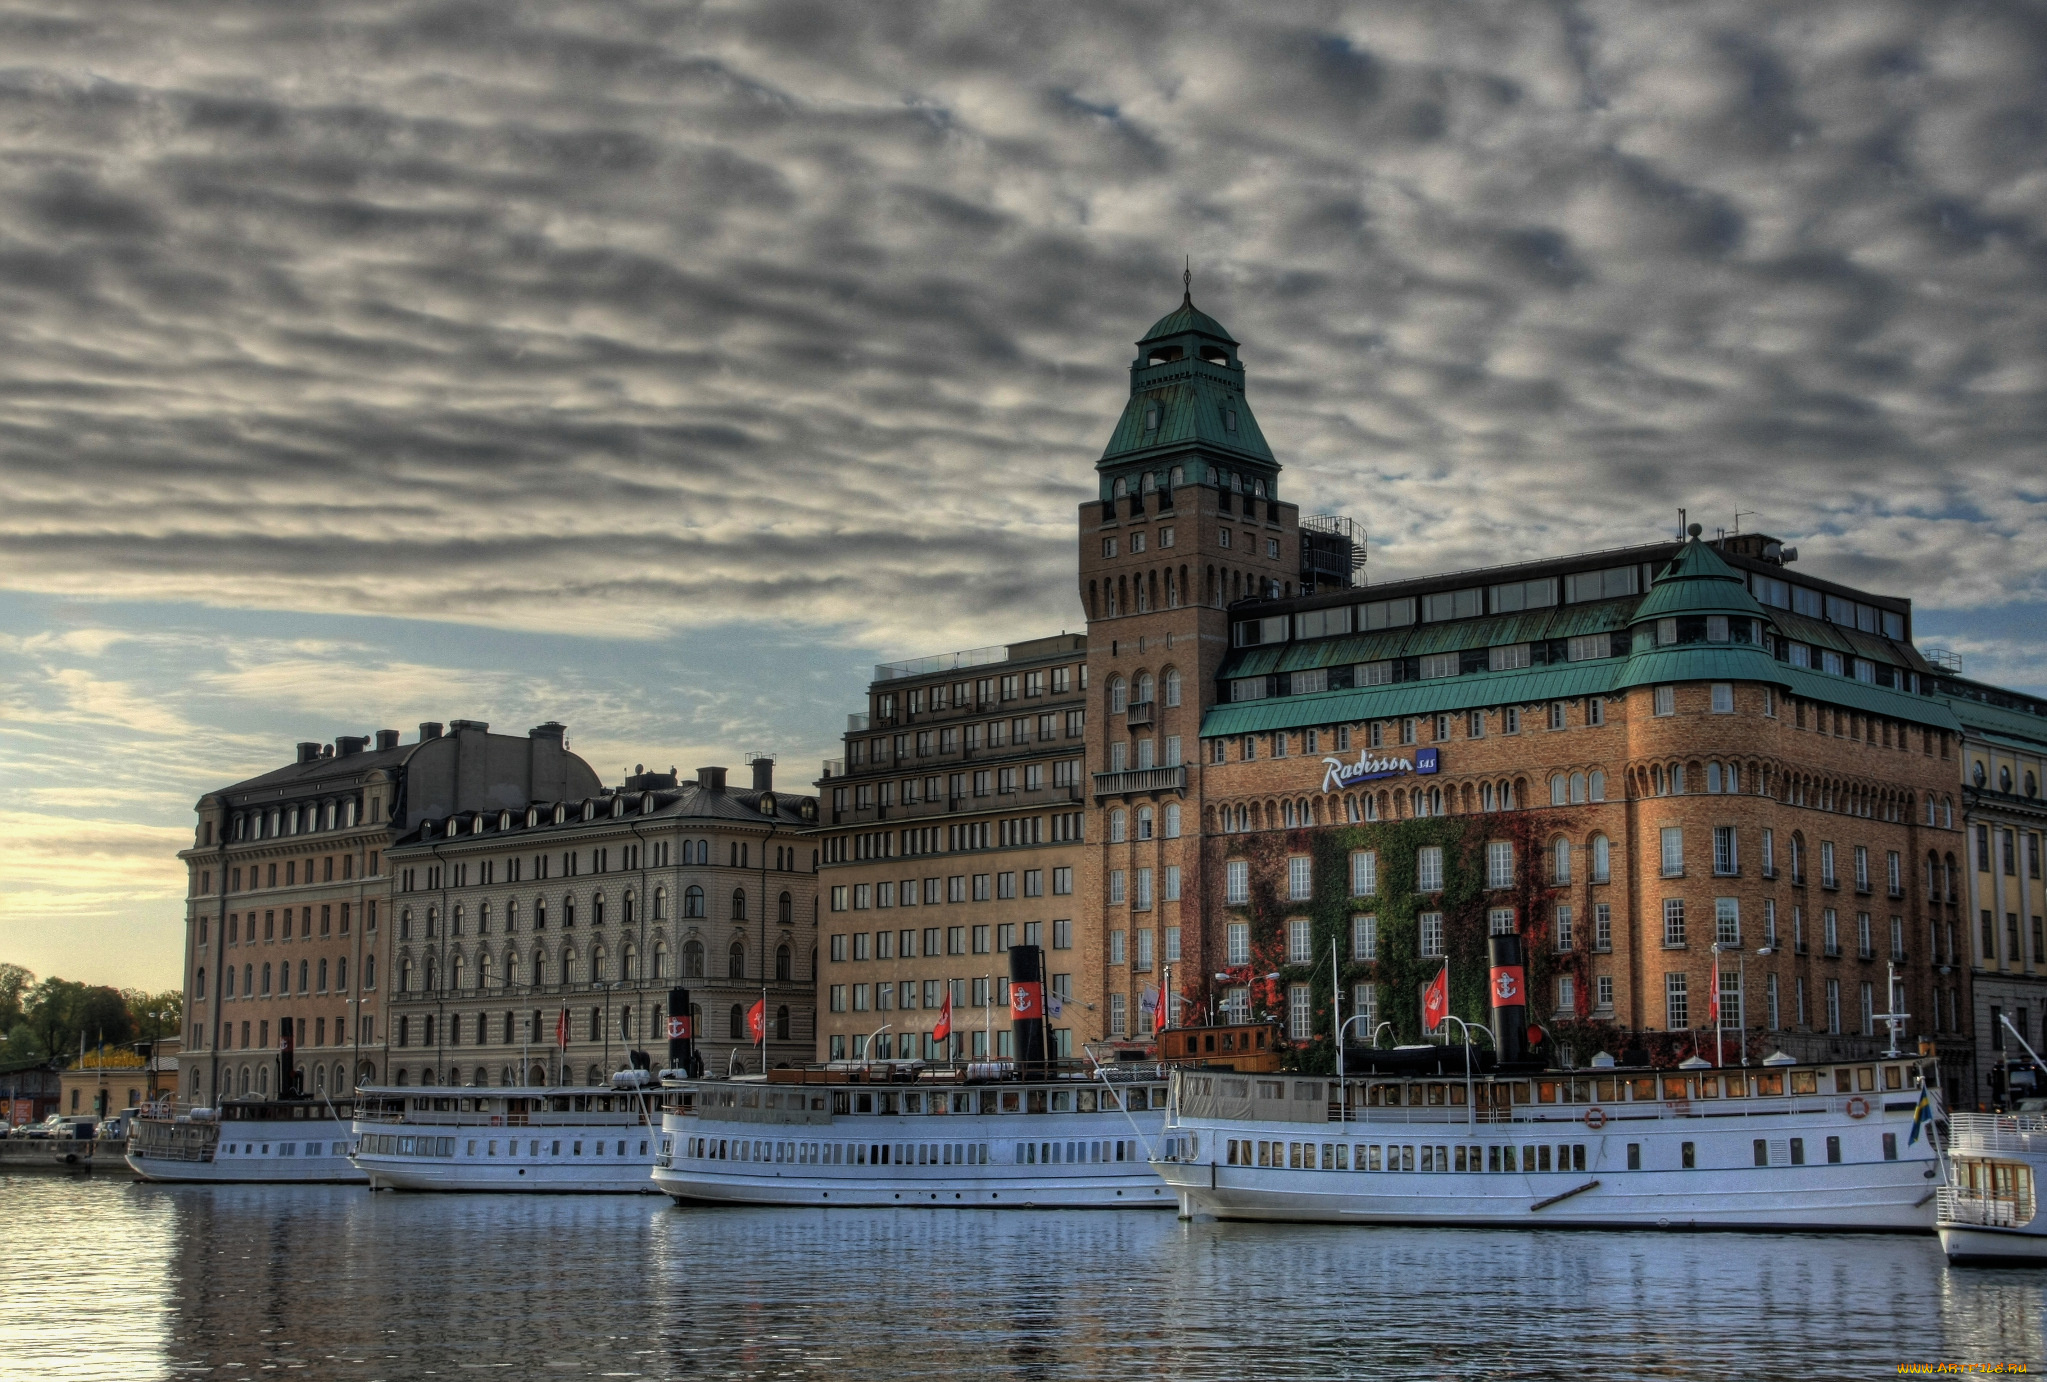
point(1957, 1204)
point(448, 1118)
point(1990, 1134)
point(1617, 1111)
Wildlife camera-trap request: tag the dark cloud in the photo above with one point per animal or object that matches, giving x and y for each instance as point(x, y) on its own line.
point(582, 315)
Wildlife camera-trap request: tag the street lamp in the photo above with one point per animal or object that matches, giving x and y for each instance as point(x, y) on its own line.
point(876, 1037)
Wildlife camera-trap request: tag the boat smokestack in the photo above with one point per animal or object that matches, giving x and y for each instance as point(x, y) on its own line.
point(1027, 1003)
point(1509, 990)
point(682, 1037)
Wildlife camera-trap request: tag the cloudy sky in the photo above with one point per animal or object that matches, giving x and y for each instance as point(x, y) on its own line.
point(659, 369)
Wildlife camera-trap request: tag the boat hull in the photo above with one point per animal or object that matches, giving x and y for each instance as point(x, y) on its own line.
point(1971, 1243)
point(316, 1153)
point(561, 1159)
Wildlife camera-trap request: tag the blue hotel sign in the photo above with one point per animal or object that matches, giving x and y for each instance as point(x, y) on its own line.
point(1370, 769)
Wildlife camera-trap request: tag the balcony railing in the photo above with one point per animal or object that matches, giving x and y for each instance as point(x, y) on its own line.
point(1141, 780)
point(1139, 713)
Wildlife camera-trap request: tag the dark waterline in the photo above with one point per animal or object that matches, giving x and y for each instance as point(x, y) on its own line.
point(110, 1278)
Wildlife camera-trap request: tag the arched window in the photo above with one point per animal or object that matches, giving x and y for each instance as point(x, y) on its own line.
point(369, 971)
point(262, 1080)
point(1172, 820)
point(482, 970)
point(660, 904)
point(1172, 686)
point(782, 1023)
point(597, 908)
point(739, 904)
point(693, 959)
point(569, 975)
point(625, 915)
point(1560, 860)
point(511, 967)
point(660, 960)
point(1559, 790)
point(540, 914)
point(735, 961)
point(1602, 859)
point(1144, 823)
point(1595, 787)
point(1119, 696)
point(1144, 689)
point(738, 1023)
point(1712, 777)
point(1577, 789)
point(1119, 826)
point(199, 983)
point(568, 911)
point(456, 966)
point(597, 964)
point(539, 967)
point(692, 901)
point(785, 961)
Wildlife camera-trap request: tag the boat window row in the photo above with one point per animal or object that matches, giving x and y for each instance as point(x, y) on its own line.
point(962, 1101)
point(1048, 1153)
point(283, 1149)
point(1607, 1089)
point(1500, 1158)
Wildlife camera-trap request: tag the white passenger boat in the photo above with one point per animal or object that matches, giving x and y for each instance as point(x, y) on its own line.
point(1989, 1208)
point(287, 1140)
point(569, 1139)
point(902, 1135)
point(1784, 1146)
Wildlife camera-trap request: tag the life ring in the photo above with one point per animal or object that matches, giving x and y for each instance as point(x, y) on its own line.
point(1858, 1107)
point(1595, 1118)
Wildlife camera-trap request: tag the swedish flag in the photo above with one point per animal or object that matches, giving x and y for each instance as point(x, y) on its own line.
point(1922, 1115)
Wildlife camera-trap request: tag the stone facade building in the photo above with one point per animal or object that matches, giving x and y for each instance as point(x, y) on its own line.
point(1997, 876)
point(517, 925)
point(953, 829)
point(288, 907)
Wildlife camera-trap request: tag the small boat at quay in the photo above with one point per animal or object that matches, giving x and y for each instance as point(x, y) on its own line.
point(1027, 1133)
point(564, 1139)
point(1989, 1210)
point(272, 1140)
point(1421, 1136)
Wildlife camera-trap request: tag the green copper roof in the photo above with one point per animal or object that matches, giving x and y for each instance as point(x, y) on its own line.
point(1697, 581)
point(1703, 662)
point(1411, 698)
point(1182, 319)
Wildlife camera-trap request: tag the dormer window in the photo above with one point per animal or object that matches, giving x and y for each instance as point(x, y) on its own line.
point(617, 806)
point(1121, 487)
point(1179, 476)
point(561, 813)
point(1151, 418)
point(504, 820)
point(1229, 418)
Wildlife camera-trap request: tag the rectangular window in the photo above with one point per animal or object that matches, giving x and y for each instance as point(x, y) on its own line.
point(1603, 988)
point(1300, 881)
point(1725, 853)
point(1364, 1001)
point(1499, 864)
point(1564, 928)
point(1116, 887)
point(1676, 1003)
point(1299, 941)
point(1062, 934)
point(1431, 928)
point(1602, 926)
point(1237, 882)
point(1062, 882)
point(1364, 937)
point(1500, 921)
point(1172, 945)
point(1429, 869)
point(1727, 920)
point(1142, 902)
point(1364, 873)
point(1117, 951)
point(1673, 837)
point(1723, 698)
point(1508, 657)
point(1666, 700)
point(1438, 665)
point(1172, 889)
point(1300, 1009)
point(1239, 944)
point(1673, 921)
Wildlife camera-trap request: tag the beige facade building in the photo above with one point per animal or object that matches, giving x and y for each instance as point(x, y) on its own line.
point(289, 897)
point(517, 927)
point(953, 829)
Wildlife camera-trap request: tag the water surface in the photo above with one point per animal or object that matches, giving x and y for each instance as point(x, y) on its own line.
point(110, 1278)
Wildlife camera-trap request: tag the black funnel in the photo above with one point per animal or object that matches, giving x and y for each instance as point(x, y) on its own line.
point(1027, 1002)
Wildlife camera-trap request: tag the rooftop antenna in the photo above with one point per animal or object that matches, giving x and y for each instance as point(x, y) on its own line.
point(1187, 283)
point(1745, 513)
point(1680, 525)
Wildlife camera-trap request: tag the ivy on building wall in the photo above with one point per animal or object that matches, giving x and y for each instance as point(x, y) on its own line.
point(1401, 971)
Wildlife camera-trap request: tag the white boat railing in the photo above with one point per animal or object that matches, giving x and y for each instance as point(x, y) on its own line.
point(1987, 1134)
point(1974, 1208)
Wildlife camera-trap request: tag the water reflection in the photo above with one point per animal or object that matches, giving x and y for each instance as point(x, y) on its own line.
point(138, 1280)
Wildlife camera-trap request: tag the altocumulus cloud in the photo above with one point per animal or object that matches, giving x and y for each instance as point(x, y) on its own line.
point(637, 321)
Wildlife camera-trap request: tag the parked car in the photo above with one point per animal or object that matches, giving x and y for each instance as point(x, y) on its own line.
point(116, 1128)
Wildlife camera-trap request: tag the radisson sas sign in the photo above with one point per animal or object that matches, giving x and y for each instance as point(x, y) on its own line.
point(1369, 769)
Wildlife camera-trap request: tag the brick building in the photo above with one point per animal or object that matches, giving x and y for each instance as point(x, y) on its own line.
point(513, 923)
point(952, 830)
point(289, 895)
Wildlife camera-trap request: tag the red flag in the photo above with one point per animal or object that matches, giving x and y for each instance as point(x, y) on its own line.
point(1436, 1000)
point(561, 1030)
point(943, 1030)
point(1158, 1017)
point(757, 1021)
point(1713, 1007)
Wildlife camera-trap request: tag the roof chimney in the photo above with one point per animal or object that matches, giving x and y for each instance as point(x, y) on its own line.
point(348, 745)
point(429, 729)
point(711, 779)
point(764, 774)
point(387, 739)
point(308, 751)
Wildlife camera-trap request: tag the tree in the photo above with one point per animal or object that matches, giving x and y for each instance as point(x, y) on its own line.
point(62, 1013)
point(155, 1014)
point(15, 982)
